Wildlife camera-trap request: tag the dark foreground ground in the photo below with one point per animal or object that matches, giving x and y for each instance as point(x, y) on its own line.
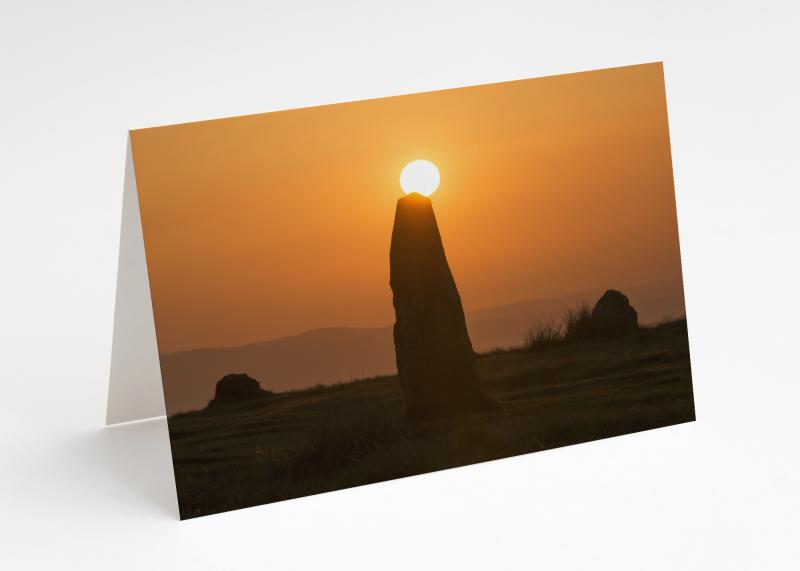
point(329, 438)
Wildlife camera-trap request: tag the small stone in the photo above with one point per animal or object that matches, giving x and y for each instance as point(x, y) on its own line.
point(237, 388)
point(614, 316)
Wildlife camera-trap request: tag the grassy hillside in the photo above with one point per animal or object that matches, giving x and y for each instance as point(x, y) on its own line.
point(327, 438)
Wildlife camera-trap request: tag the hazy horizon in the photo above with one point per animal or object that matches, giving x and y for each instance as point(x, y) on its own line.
point(336, 354)
point(677, 289)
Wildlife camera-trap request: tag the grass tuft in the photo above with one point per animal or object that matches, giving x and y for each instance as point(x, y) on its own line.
point(542, 334)
point(578, 321)
point(546, 333)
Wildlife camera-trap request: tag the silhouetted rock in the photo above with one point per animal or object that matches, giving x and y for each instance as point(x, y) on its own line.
point(237, 388)
point(613, 315)
point(435, 361)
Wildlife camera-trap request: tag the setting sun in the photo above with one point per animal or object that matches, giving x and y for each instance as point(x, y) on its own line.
point(421, 177)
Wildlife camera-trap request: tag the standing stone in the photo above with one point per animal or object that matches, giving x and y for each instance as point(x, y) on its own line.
point(613, 315)
point(435, 361)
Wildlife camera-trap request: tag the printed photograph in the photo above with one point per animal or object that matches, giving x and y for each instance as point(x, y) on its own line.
point(353, 293)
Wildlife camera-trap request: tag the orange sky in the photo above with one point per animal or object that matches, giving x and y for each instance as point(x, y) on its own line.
point(267, 225)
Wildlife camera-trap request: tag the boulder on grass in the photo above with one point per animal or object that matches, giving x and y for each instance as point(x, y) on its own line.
point(238, 388)
point(614, 316)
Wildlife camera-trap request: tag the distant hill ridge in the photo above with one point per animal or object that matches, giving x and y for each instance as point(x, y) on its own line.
point(340, 354)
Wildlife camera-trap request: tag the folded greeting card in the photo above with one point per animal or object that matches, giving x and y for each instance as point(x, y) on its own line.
point(347, 294)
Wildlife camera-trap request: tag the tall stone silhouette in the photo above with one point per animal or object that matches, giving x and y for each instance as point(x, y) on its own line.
point(435, 361)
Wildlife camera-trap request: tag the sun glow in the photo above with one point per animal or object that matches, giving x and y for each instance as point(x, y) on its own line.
point(421, 177)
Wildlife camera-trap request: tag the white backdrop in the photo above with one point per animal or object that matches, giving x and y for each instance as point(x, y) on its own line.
point(718, 493)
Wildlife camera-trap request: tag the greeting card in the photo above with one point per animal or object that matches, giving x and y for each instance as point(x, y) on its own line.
point(347, 294)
